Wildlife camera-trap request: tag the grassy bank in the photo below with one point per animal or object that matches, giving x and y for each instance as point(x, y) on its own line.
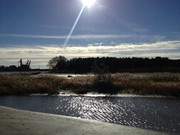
point(167, 84)
point(23, 84)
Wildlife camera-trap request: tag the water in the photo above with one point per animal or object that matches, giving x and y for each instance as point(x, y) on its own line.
point(160, 114)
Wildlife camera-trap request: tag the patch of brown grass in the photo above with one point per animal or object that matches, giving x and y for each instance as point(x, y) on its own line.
point(148, 83)
point(20, 85)
point(154, 84)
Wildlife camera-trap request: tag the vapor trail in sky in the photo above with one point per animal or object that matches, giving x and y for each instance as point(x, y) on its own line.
point(73, 27)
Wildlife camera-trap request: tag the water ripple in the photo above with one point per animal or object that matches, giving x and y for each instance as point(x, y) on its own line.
point(156, 114)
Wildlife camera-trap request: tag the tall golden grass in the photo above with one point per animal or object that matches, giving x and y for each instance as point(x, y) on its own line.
point(167, 84)
point(20, 85)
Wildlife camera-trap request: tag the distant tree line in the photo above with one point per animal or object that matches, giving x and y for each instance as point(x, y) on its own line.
point(113, 65)
point(21, 67)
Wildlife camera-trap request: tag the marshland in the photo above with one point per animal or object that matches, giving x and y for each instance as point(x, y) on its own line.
point(113, 61)
point(166, 84)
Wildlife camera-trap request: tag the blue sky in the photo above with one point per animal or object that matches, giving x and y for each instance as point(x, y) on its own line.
point(27, 26)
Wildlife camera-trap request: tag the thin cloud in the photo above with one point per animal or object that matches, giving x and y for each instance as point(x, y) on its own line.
point(79, 37)
point(40, 55)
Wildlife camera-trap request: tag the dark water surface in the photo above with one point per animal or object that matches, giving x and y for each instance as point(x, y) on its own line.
point(159, 114)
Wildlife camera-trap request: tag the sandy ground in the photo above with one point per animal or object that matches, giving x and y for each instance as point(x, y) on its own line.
point(18, 122)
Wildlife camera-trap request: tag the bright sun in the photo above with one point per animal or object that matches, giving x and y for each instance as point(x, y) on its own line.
point(88, 3)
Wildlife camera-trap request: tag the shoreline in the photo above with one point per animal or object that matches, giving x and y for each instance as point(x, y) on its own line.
point(20, 122)
point(95, 95)
point(110, 96)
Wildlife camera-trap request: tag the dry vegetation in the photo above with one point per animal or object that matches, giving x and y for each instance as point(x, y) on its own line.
point(146, 83)
point(149, 84)
point(20, 85)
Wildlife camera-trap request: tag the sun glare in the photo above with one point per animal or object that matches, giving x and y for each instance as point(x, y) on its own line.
point(88, 3)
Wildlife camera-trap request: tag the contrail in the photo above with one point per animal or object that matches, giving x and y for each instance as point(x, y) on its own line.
point(73, 27)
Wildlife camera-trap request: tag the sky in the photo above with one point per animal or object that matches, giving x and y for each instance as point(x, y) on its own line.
point(37, 29)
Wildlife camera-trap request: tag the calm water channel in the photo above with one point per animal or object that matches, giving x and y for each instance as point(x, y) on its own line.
point(160, 114)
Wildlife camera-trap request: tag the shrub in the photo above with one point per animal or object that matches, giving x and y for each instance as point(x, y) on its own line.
point(103, 84)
